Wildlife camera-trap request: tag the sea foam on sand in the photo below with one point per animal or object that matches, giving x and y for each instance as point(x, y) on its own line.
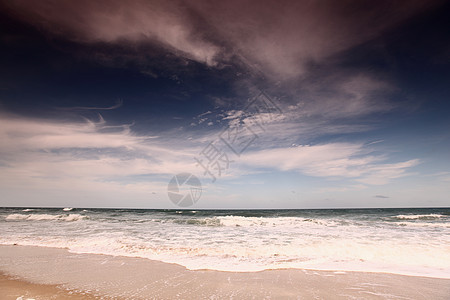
point(136, 278)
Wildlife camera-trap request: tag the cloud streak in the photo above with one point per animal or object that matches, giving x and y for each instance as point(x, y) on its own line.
point(35, 148)
point(118, 104)
point(333, 160)
point(83, 151)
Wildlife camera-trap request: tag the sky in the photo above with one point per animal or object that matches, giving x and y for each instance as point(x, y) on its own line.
point(270, 104)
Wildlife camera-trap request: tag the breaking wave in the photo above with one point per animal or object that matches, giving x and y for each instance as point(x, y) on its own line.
point(419, 217)
point(45, 217)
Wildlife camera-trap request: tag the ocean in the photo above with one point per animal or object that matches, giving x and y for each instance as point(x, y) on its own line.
point(413, 241)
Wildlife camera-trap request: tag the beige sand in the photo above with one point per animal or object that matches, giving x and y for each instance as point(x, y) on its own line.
point(135, 278)
point(11, 288)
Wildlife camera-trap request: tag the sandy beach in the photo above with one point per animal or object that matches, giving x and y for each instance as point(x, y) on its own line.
point(51, 273)
point(13, 288)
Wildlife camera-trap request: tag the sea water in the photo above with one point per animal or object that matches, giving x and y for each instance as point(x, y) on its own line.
point(412, 241)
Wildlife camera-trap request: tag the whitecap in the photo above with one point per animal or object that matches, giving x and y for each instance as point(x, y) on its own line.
point(419, 217)
point(44, 217)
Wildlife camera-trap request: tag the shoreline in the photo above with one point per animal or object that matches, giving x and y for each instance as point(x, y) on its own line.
point(334, 270)
point(59, 270)
point(412, 243)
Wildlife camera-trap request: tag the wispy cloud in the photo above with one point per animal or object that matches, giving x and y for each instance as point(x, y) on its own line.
point(331, 107)
point(35, 148)
point(334, 160)
point(118, 104)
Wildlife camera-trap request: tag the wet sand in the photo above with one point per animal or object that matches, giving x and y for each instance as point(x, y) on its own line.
point(47, 273)
point(12, 288)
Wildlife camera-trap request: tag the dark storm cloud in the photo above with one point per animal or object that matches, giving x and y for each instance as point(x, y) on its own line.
point(276, 37)
point(282, 37)
point(167, 23)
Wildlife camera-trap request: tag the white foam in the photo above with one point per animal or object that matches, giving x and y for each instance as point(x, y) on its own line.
point(280, 222)
point(45, 217)
point(236, 243)
point(423, 217)
point(423, 224)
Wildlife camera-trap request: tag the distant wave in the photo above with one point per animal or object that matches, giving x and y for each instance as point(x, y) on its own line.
point(423, 224)
point(67, 208)
point(45, 217)
point(239, 221)
point(419, 217)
